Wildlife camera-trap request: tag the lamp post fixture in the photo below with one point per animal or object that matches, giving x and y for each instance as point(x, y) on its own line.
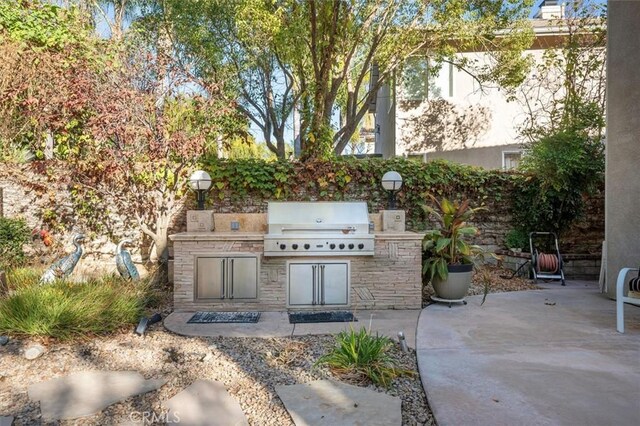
point(200, 182)
point(392, 182)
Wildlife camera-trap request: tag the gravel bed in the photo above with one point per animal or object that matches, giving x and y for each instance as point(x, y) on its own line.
point(248, 367)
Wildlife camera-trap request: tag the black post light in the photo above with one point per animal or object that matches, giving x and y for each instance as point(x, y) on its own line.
point(392, 182)
point(200, 182)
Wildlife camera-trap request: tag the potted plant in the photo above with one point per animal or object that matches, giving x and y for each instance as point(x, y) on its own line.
point(448, 258)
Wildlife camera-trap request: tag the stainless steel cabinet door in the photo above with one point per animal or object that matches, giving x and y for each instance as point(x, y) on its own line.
point(335, 283)
point(243, 278)
point(302, 283)
point(210, 277)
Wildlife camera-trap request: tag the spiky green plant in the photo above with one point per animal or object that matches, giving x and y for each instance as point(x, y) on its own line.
point(67, 310)
point(359, 355)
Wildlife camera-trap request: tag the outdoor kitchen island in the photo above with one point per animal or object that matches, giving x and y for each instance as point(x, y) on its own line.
point(313, 267)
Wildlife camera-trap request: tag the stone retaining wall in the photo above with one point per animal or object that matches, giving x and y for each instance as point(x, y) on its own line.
point(576, 267)
point(46, 203)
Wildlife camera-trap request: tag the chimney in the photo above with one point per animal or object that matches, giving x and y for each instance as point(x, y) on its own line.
point(551, 9)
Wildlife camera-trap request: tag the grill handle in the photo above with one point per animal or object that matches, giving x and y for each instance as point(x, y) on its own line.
point(231, 280)
point(322, 284)
point(224, 286)
point(350, 229)
point(313, 280)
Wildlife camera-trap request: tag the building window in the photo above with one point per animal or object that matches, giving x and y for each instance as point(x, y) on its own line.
point(423, 80)
point(511, 159)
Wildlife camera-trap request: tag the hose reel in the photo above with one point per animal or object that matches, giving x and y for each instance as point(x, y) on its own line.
point(546, 266)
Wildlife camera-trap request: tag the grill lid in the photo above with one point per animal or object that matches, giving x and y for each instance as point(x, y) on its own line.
point(335, 217)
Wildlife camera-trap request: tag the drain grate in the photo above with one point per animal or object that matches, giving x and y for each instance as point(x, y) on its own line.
point(329, 316)
point(224, 317)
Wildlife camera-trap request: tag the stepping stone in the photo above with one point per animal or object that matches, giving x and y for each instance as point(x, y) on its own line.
point(88, 392)
point(325, 402)
point(205, 403)
point(6, 420)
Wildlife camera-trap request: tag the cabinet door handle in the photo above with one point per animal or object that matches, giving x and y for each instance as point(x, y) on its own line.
point(322, 284)
point(313, 281)
point(231, 280)
point(222, 279)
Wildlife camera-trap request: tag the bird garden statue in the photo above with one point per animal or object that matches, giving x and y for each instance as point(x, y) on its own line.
point(124, 264)
point(65, 266)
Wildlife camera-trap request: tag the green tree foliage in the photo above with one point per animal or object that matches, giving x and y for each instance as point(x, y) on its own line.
point(41, 25)
point(318, 54)
point(566, 91)
point(245, 45)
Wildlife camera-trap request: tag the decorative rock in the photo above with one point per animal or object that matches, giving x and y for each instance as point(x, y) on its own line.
point(34, 352)
point(325, 402)
point(4, 340)
point(205, 403)
point(88, 392)
point(6, 420)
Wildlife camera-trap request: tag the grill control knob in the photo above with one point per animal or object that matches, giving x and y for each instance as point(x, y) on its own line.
point(341, 246)
point(283, 246)
point(351, 246)
point(295, 247)
point(360, 246)
point(332, 246)
point(307, 246)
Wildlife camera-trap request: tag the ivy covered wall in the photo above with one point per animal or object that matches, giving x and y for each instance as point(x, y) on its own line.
point(247, 186)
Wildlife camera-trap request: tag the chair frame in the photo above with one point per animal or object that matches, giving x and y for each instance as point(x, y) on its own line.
point(621, 299)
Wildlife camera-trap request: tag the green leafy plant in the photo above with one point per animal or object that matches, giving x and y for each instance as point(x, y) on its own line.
point(14, 233)
point(562, 168)
point(447, 245)
point(358, 355)
point(516, 238)
point(67, 310)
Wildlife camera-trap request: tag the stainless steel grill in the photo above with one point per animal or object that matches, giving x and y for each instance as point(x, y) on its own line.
point(318, 229)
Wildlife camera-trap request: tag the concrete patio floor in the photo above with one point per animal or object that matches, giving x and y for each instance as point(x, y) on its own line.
point(542, 357)
point(276, 324)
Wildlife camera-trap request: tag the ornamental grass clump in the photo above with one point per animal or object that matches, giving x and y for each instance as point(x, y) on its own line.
point(360, 357)
point(66, 310)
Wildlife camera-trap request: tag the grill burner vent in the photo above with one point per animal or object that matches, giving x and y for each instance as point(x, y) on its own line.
point(318, 229)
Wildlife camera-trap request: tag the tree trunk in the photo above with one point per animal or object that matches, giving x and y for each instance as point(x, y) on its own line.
point(161, 239)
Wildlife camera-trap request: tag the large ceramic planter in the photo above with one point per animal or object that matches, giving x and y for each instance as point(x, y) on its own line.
point(457, 284)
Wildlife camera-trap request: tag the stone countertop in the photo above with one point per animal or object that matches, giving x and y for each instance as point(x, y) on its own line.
point(217, 236)
point(259, 236)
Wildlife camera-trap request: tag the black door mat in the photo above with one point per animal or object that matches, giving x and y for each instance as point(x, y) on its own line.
point(222, 317)
point(329, 316)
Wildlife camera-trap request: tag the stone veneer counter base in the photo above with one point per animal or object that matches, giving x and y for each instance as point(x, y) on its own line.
point(390, 279)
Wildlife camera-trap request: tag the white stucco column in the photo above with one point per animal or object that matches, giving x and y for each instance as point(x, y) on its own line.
point(622, 202)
